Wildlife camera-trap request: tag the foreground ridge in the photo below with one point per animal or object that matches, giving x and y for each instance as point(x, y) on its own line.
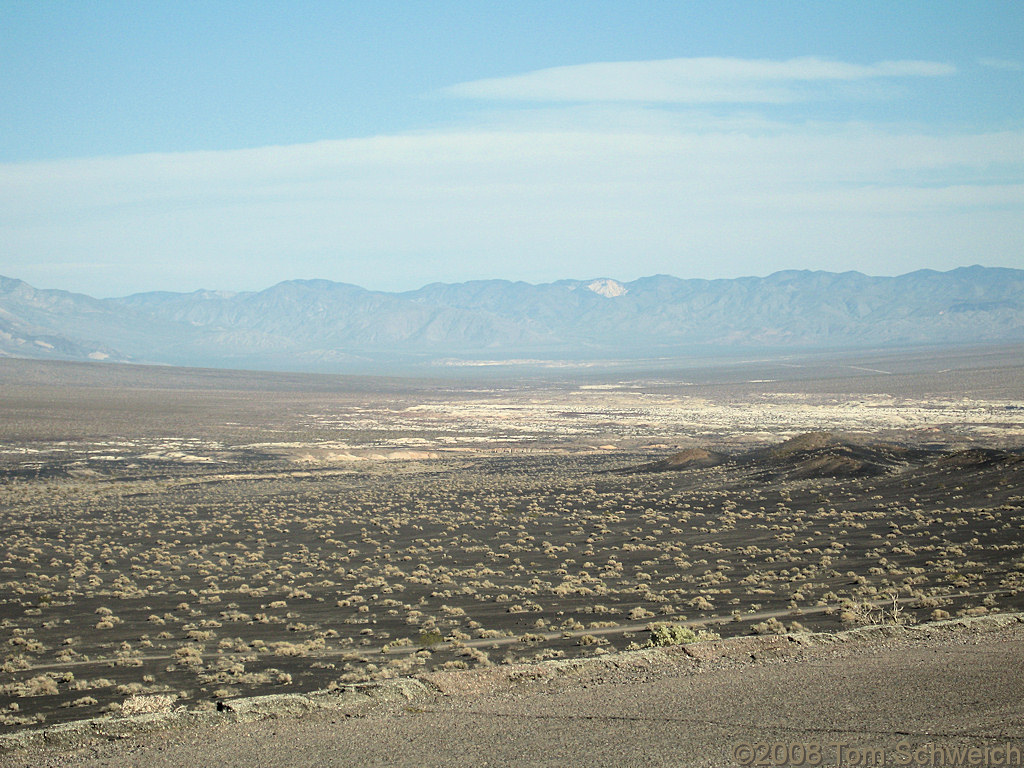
point(402, 694)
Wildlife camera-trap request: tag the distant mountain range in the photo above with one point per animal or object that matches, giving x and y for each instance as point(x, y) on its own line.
point(318, 325)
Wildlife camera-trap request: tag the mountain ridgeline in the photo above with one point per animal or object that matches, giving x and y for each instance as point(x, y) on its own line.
point(318, 325)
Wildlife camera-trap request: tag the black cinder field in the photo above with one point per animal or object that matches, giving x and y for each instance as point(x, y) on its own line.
point(206, 534)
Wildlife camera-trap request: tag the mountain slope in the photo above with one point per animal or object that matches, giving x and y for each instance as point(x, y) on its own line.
point(319, 324)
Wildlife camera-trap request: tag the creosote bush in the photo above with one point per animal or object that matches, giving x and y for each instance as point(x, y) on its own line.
point(431, 638)
point(146, 705)
point(667, 634)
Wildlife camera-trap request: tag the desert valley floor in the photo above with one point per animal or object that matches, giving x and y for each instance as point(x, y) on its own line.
point(208, 534)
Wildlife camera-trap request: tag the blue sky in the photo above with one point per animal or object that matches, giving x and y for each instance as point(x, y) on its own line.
point(228, 145)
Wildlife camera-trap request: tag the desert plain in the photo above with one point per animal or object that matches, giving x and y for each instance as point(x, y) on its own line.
point(198, 535)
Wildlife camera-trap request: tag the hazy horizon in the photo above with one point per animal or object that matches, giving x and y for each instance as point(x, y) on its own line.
point(227, 290)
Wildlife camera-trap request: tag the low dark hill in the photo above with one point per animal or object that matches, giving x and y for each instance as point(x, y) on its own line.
point(691, 458)
point(804, 457)
point(980, 457)
point(973, 472)
point(824, 455)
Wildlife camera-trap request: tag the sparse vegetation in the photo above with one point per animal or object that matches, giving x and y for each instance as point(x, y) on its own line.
point(668, 634)
point(145, 568)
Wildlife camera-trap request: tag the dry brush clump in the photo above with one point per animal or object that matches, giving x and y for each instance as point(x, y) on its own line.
point(147, 705)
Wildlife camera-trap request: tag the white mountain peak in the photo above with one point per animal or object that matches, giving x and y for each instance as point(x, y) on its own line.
point(607, 287)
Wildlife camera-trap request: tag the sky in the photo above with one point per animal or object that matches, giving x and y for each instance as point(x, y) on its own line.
point(232, 145)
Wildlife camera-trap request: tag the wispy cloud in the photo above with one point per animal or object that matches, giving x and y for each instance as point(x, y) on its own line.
point(603, 176)
point(1007, 64)
point(690, 81)
point(523, 203)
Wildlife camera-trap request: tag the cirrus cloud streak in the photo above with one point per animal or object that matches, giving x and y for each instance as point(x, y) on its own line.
point(399, 211)
point(690, 81)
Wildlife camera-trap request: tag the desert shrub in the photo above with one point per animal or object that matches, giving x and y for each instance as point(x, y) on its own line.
point(288, 649)
point(145, 705)
point(36, 686)
point(191, 656)
point(669, 633)
point(701, 603)
point(866, 612)
point(85, 701)
point(771, 626)
point(454, 664)
point(480, 658)
point(430, 638)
